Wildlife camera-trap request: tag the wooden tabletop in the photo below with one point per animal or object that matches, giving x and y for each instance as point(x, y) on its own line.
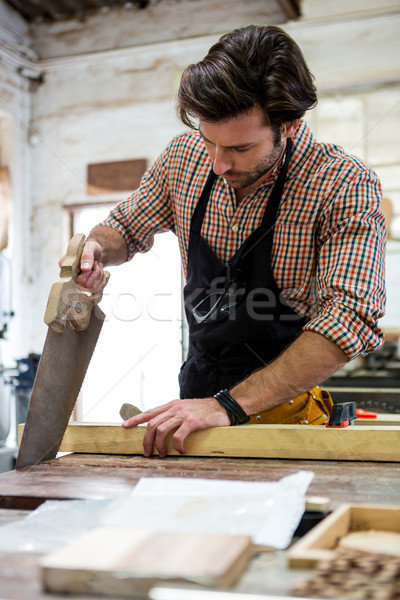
point(91, 476)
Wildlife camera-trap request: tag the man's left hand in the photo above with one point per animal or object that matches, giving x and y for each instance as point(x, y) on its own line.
point(179, 417)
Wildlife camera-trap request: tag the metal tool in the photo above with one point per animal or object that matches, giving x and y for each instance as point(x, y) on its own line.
point(342, 415)
point(74, 320)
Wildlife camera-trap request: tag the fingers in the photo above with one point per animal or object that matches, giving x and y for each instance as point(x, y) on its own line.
point(91, 253)
point(91, 277)
point(93, 280)
point(177, 418)
point(157, 431)
point(161, 423)
point(179, 437)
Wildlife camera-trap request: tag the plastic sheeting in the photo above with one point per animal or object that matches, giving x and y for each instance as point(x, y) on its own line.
point(268, 511)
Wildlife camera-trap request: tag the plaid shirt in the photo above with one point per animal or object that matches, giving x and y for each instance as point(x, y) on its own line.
point(329, 238)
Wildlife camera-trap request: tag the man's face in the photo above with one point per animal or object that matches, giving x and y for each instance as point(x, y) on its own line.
point(243, 150)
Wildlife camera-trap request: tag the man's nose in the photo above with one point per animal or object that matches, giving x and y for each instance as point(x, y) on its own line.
point(221, 163)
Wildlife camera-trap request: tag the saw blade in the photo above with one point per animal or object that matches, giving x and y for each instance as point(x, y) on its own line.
point(61, 371)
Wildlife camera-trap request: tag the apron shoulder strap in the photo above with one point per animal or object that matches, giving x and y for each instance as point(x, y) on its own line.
point(276, 194)
point(199, 211)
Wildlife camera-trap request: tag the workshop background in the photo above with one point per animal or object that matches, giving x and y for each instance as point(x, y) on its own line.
point(87, 85)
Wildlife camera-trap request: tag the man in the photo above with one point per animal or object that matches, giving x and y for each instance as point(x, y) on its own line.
point(282, 242)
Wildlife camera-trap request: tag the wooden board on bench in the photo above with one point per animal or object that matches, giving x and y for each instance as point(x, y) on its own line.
point(128, 562)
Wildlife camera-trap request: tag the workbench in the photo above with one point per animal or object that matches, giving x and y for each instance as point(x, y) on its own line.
point(91, 476)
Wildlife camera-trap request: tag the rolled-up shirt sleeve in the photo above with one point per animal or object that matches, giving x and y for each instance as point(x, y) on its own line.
point(146, 212)
point(350, 273)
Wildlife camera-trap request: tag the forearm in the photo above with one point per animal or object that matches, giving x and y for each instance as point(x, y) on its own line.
point(310, 359)
point(114, 250)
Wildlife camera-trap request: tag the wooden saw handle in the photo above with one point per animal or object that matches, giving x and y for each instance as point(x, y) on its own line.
point(66, 302)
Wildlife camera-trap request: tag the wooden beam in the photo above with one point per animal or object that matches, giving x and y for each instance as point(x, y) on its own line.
point(366, 443)
point(382, 419)
point(291, 8)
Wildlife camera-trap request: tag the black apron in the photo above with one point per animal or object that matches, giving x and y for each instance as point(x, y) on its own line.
point(238, 320)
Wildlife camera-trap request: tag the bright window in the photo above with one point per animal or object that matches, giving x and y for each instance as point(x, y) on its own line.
point(139, 352)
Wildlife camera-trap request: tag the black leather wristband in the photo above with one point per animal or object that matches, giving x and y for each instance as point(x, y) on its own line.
point(236, 414)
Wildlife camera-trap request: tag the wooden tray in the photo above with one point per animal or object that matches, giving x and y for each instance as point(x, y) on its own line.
point(320, 542)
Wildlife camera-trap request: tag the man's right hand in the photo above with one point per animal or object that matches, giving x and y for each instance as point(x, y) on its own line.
point(92, 277)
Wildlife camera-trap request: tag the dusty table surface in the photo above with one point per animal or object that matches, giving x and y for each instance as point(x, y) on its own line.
point(91, 476)
point(267, 574)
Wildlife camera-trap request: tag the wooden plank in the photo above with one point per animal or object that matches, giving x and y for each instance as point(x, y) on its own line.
point(261, 441)
point(381, 419)
point(377, 399)
point(122, 175)
point(9, 515)
point(367, 443)
point(371, 541)
point(128, 562)
point(318, 504)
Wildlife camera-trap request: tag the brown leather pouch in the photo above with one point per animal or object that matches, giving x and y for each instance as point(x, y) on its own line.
point(311, 408)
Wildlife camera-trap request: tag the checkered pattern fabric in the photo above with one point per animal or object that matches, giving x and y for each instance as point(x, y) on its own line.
point(329, 237)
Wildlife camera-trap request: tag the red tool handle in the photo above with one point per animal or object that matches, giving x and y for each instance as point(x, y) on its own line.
point(366, 414)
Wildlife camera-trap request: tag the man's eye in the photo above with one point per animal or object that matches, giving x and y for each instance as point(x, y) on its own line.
point(241, 149)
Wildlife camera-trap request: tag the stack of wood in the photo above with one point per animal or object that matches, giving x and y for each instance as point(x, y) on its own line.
point(354, 574)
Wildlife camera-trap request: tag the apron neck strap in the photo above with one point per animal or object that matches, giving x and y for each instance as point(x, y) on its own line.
point(199, 211)
point(276, 194)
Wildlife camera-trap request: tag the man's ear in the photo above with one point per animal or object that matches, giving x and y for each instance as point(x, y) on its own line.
point(290, 128)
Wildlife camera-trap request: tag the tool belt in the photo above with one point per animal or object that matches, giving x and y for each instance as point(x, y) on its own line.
point(311, 408)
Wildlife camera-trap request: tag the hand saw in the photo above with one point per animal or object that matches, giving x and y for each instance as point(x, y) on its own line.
point(74, 320)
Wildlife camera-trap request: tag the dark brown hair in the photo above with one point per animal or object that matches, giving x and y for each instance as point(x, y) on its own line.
point(254, 65)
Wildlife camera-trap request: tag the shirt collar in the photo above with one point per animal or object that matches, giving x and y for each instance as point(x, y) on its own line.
point(302, 146)
point(302, 142)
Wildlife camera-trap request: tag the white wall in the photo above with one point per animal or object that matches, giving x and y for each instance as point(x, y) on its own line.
point(15, 105)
